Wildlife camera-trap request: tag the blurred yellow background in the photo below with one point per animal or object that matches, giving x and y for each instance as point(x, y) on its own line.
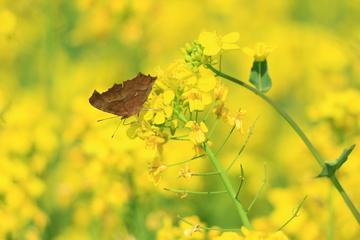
point(62, 176)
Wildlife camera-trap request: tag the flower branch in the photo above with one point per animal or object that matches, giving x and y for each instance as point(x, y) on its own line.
point(298, 130)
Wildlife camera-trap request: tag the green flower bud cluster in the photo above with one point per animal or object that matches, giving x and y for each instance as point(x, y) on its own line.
point(194, 55)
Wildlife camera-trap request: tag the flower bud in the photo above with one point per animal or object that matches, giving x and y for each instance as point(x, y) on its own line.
point(204, 59)
point(183, 51)
point(197, 42)
point(196, 63)
point(195, 69)
point(197, 56)
point(188, 48)
point(214, 61)
point(187, 58)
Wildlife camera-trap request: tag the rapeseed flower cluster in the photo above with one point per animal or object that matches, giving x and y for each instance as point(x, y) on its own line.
point(62, 176)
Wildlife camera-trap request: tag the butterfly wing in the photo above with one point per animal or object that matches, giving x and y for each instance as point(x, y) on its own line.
point(124, 99)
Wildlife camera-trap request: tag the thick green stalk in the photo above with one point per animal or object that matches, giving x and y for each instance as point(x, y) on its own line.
point(240, 209)
point(298, 131)
point(345, 197)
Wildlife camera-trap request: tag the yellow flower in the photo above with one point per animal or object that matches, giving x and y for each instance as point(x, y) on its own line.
point(252, 235)
point(187, 174)
point(151, 140)
point(220, 110)
point(179, 82)
point(196, 91)
point(237, 121)
point(259, 235)
point(260, 51)
point(169, 95)
point(197, 134)
point(173, 125)
point(228, 236)
point(151, 137)
point(190, 231)
point(175, 76)
point(214, 44)
point(220, 91)
point(206, 80)
point(159, 109)
point(155, 169)
point(196, 99)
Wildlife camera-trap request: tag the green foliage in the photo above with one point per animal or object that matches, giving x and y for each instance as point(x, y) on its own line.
point(332, 166)
point(259, 76)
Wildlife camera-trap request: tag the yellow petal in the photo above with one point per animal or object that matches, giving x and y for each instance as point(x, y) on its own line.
point(203, 127)
point(230, 120)
point(245, 231)
point(229, 236)
point(206, 98)
point(192, 137)
point(262, 51)
point(212, 49)
point(157, 101)
point(207, 81)
point(174, 123)
point(169, 95)
point(132, 132)
point(155, 178)
point(159, 118)
point(200, 136)
point(260, 58)
point(279, 235)
point(195, 104)
point(189, 124)
point(231, 37)
point(271, 48)
point(149, 115)
point(168, 111)
point(207, 38)
point(159, 140)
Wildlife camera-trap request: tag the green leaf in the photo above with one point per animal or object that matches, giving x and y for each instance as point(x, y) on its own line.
point(259, 76)
point(331, 166)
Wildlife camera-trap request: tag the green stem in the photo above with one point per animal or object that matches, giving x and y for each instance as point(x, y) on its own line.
point(192, 192)
point(227, 138)
point(244, 145)
point(206, 174)
point(213, 128)
point(294, 214)
point(179, 138)
point(242, 177)
point(345, 197)
point(180, 115)
point(240, 209)
point(260, 190)
point(178, 163)
point(210, 110)
point(298, 131)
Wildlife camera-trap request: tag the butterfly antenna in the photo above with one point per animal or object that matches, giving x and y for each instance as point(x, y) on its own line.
point(107, 118)
point(116, 129)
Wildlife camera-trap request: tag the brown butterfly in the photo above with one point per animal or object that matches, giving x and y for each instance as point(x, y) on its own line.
point(126, 99)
